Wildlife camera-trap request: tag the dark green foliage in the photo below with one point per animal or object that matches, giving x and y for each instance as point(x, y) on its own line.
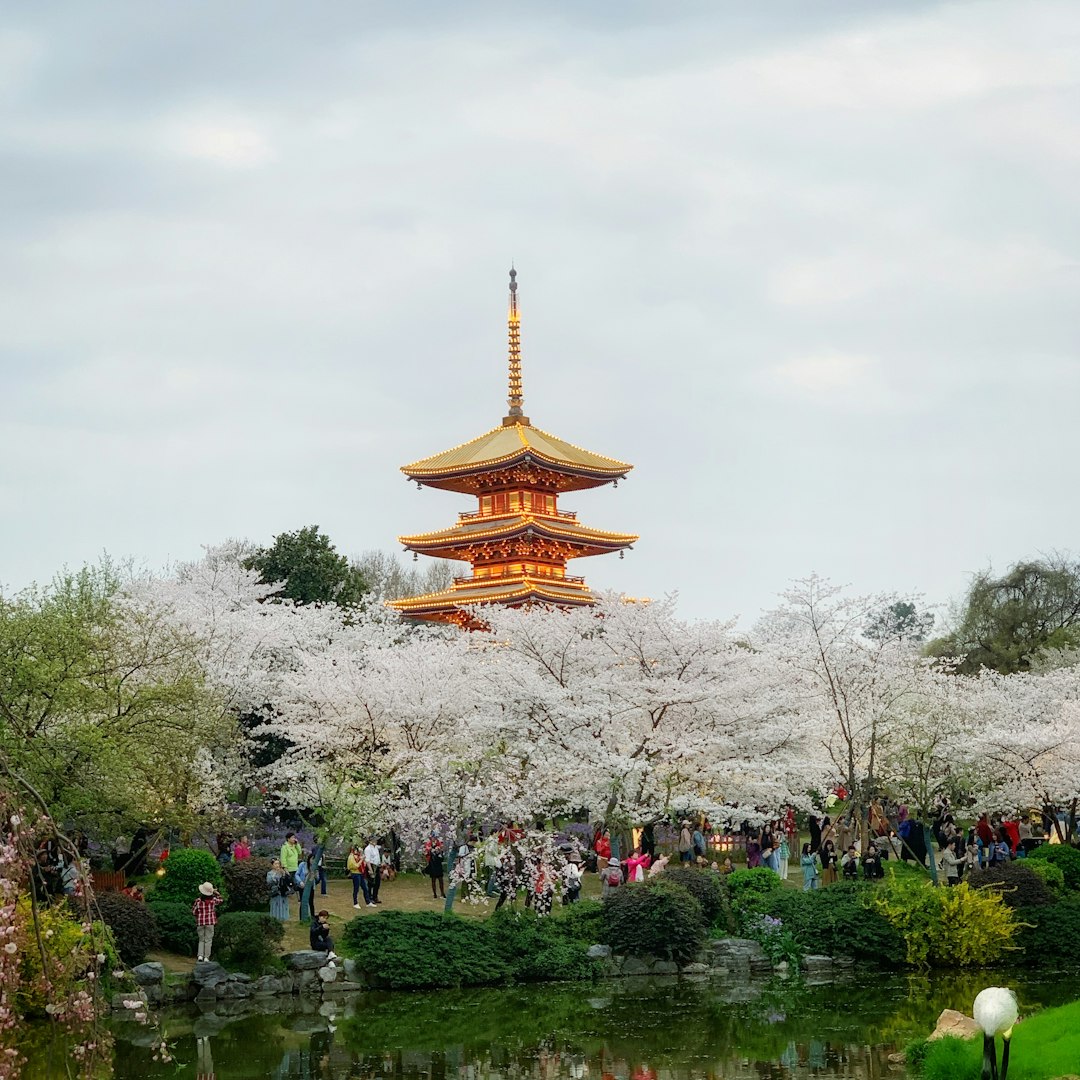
point(185, 870)
point(310, 568)
point(132, 925)
point(1007, 621)
point(836, 922)
point(1019, 885)
point(1065, 858)
point(658, 918)
point(248, 941)
point(750, 889)
point(583, 921)
point(705, 887)
point(1050, 935)
point(1051, 874)
point(539, 949)
point(246, 884)
point(175, 926)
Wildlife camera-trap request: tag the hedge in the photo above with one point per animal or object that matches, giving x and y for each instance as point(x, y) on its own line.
point(248, 941)
point(175, 926)
point(1066, 858)
point(658, 918)
point(1018, 884)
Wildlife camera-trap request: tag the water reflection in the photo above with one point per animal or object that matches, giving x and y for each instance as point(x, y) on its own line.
point(627, 1030)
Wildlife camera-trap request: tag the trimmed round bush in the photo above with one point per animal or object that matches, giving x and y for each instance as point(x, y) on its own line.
point(1051, 874)
point(837, 922)
point(1019, 885)
point(658, 918)
point(1065, 858)
point(248, 941)
point(175, 927)
point(185, 870)
point(704, 886)
point(246, 884)
point(750, 889)
point(1050, 935)
point(131, 923)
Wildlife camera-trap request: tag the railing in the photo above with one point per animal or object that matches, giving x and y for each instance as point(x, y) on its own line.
point(472, 515)
point(573, 579)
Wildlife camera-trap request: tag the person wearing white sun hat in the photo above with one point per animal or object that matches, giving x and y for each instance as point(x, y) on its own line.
point(205, 911)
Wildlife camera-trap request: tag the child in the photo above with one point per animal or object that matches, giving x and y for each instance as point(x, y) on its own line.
point(205, 911)
point(319, 936)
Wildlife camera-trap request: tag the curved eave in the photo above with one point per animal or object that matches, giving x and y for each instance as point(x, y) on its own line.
point(546, 529)
point(512, 593)
point(508, 446)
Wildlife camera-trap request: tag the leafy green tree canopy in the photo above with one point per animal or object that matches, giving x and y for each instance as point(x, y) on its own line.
point(900, 620)
point(1006, 623)
point(310, 569)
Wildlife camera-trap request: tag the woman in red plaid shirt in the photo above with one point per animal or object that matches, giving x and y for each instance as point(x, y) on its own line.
point(205, 911)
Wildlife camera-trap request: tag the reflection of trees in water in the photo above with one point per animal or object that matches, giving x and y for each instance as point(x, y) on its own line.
point(626, 1030)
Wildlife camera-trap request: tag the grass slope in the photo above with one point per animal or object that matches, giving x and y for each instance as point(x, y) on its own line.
point(1045, 1046)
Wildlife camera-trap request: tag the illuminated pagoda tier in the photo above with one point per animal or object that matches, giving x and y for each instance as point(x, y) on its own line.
point(517, 540)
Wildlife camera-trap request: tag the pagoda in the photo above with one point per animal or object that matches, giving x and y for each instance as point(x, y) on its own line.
point(517, 541)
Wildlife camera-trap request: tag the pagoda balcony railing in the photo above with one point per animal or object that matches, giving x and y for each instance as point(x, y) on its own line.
point(472, 515)
point(573, 579)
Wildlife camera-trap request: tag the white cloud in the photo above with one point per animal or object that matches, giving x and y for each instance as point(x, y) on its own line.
point(234, 142)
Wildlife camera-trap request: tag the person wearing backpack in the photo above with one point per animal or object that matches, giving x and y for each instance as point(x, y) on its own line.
point(611, 877)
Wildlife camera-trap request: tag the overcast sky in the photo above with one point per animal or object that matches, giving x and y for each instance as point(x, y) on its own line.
point(812, 268)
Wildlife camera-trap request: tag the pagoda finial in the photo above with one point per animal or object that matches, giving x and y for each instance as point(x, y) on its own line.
point(516, 400)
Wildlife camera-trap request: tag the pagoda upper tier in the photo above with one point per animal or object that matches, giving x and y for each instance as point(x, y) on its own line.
point(517, 541)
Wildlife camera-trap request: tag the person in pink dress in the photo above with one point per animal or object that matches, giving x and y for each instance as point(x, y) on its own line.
point(241, 849)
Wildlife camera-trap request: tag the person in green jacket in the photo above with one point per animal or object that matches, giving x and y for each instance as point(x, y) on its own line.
point(290, 855)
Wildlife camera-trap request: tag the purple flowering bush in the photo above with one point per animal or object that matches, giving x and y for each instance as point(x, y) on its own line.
point(775, 939)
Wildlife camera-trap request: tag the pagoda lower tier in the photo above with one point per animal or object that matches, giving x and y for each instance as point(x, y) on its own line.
point(516, 559)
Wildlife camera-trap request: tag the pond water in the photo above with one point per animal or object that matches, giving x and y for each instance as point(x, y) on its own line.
point(620, 1030)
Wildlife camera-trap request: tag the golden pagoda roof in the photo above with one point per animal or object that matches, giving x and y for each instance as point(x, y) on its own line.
point(484, 528)
point(512, 590)
point(510, 444)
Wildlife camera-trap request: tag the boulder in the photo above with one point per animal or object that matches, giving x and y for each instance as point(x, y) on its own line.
point(815, 965)
point(235, 990)
point(635, 965)
point(270, 985)
point(208, 973)
point(240, 977)
point(599, 952)
point(328, 974)
point(954, 1023)
point(696, 969)
point(150, 974)
point(206, 995)
point(665, 967)
point(305, 960)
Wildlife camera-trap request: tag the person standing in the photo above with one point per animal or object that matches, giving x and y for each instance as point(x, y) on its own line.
point(241, 849)
point(810, 872)
point(358, 872)
point(602, 847)
point(686, 841)
point(290, 855)
point(433, 865)
point(828, 863)
point(318, 864)
point(305, 878)
point(279, 885)
point(571, 875)
point(815, 833)
point(783, 857)
point(636, 865)
point(205, 911)
point(952, 862)
point(373, 859)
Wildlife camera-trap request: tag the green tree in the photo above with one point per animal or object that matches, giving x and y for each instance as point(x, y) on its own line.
point(1007, 623)
point(900, 620)
point(103, 707)
point(309, 568)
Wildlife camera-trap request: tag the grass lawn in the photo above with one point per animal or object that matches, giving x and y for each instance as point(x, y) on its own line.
point(1044, 1046)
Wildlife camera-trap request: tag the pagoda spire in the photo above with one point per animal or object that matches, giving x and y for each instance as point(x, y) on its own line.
point(516, 399)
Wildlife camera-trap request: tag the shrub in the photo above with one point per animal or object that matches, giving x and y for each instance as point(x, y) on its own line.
point(246, 884)
point(132, 924)
point(1019, 885)
point(1065, 858)
point(1051, 935)
point(175, 926)
point(248, 940)
point(583, 921)
point(837, 921)
point(185, 870)
point(948, 927)
point(424, 949)
point(655, 919)
point(1051, 874)
point(704, 886)
point(774, 938)
point(539, 949)
point(749, 889)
